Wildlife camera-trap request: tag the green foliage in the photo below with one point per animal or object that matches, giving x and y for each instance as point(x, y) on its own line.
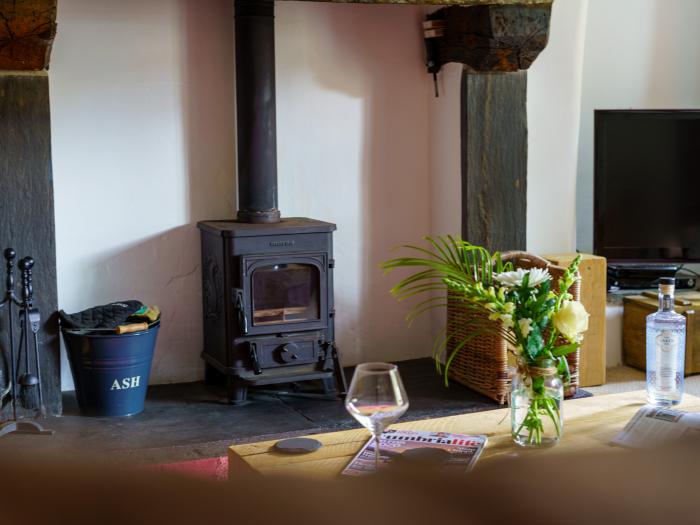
point(534, 344)
point(523, 304)
point(563, 350)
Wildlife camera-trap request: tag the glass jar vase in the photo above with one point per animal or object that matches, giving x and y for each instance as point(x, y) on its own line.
point(536, 401)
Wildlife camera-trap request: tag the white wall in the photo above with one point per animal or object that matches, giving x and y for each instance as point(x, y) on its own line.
point(143, 147)
point(639, 54)
point(553, 105)
point(353, 143)
point(142, 127)
point(445, 153)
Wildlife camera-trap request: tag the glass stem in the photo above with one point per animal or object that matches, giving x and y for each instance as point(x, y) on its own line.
point(376, 451)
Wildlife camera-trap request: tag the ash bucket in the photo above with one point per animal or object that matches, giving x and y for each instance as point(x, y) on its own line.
point(111, 371)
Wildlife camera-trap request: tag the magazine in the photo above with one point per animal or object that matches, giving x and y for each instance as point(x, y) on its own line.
point(463, 450)
point(652, 427)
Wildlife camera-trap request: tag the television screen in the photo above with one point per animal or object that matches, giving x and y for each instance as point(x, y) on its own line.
point(647, 185)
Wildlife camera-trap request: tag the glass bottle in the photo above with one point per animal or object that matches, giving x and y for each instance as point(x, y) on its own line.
point(665, 349)
point(536, 400)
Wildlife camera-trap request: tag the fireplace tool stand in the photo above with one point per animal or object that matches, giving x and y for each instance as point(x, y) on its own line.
point(30, 320)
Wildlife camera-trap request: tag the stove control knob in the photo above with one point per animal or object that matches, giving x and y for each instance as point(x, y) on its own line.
point(289, 353)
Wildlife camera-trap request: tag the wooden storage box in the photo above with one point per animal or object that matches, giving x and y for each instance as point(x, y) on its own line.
point(637, 307)
point(593, 270)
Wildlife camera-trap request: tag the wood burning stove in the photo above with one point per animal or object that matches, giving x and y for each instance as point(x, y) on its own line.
point(268, 303)
point(267, 281)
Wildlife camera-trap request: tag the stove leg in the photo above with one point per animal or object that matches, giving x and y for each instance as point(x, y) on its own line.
point(339, 372)
point(237, 394)
point(329, 386)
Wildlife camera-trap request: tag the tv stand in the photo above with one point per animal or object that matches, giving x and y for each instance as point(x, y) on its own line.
point(638, 276)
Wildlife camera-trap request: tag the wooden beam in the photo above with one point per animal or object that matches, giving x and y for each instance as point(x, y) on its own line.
point(27, 211)
point(27, 31)
point(494, 159)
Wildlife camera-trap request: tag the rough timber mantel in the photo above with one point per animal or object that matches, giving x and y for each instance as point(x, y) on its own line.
point(487, 38)
point(27, 31)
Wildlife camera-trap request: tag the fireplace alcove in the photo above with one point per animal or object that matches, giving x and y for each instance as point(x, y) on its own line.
point(266, 157)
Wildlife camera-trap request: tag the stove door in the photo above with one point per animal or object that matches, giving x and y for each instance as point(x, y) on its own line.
point(285, 293)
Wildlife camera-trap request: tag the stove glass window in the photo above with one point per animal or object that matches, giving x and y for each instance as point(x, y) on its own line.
point(286, 293)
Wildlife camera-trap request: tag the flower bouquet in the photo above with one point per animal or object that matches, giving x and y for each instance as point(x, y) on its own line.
point(537, 317)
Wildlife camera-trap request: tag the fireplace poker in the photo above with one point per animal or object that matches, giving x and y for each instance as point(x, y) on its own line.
point(28, 316)
point(28, 382)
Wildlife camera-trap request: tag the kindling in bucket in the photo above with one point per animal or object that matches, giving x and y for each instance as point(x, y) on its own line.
point(111, 365)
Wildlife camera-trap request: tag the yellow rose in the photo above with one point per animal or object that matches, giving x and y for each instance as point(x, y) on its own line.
point(571, 320)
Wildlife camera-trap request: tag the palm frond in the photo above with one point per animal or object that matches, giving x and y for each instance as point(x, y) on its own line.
point(447, 264)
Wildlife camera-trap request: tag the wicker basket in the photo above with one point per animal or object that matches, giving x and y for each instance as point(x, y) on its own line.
point(482, 364)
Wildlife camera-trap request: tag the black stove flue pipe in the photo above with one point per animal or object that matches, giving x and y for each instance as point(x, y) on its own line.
point(256, 113)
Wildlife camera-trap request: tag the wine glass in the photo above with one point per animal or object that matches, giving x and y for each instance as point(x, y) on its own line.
point(376, 398)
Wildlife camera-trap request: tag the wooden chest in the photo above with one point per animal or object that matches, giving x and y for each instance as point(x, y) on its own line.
point(637, 307)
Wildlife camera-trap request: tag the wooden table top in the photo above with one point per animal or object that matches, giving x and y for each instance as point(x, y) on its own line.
point(589, 425)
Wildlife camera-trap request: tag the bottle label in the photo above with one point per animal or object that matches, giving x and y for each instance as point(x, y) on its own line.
point(666, 354)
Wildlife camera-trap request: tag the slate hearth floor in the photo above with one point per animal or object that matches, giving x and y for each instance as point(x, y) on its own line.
point(192, 420)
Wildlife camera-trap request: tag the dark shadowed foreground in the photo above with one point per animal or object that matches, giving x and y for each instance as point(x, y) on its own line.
point(617, 487)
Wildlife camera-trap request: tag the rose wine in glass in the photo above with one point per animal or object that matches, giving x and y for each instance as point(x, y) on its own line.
point(376, 398)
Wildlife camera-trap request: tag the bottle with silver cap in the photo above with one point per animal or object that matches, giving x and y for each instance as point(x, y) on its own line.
point(665, 349)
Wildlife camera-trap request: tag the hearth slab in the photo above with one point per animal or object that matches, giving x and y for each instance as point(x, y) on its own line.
point(192, 420)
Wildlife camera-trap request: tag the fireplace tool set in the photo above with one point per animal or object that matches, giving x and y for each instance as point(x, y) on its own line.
point(23, 380)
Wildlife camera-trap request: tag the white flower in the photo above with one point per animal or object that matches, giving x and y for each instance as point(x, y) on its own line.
point(537, 277)
point(525, 326)
point(571, 320)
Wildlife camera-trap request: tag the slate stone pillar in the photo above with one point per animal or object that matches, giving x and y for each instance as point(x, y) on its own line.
point(494, 159)
point(26, 184)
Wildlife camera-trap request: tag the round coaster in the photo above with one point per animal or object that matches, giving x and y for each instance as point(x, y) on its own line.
point(426, 456)
point(298, 445)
